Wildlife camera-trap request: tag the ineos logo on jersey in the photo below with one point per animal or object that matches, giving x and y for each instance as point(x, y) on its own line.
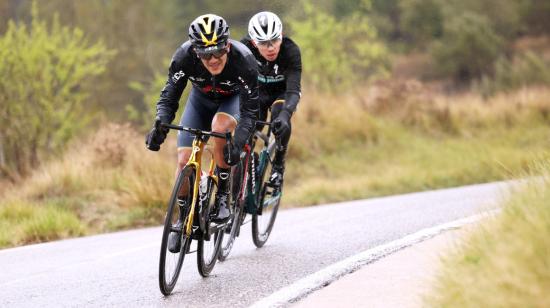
point(227, 83)
point(177, 76)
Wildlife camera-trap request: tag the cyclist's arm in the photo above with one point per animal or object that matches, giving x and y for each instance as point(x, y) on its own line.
point(249, 101)
point(293, 76)
point(171, 93)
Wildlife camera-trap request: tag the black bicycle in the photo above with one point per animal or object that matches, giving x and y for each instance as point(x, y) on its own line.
point(188, 215)
point(252, 192)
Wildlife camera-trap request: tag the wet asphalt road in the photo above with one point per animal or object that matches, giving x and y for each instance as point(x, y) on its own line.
point(121, 269)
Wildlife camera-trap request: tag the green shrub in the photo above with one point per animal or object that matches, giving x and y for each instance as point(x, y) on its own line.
point(337, 53)
point(468, 48)
point(422, 20)
point(504, 16)
point(537, 17)
point(525, 69)
point(43, 90)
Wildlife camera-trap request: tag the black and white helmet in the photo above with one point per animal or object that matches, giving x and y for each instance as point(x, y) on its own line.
point(265, 26)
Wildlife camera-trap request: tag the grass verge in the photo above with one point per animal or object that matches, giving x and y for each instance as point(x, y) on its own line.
point(506, 262)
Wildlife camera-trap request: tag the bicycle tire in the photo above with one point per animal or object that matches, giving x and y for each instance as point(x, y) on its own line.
point(206, 261)
point(263, 222)
point(168, 282)
point(225, 249)
point(235, 224)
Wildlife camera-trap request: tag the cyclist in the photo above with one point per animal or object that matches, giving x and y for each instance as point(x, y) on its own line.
point(280, 69)
point(224, 95)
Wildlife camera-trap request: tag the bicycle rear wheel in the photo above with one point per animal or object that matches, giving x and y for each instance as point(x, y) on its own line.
point(176, 217)
point(268, 200)
point(208, 250)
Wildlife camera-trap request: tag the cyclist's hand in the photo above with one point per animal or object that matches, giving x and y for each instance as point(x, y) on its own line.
point(281, 125)
point(231, 154)
point(155, 138)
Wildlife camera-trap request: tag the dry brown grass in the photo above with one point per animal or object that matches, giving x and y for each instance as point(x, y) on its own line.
point(326, 123)
point(504, 263)
point(377, 140)
point(109, 181)
point(407, 136)
point(420, 106)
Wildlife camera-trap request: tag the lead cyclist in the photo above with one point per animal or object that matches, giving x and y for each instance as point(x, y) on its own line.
point(280, 71)
point(223, 74)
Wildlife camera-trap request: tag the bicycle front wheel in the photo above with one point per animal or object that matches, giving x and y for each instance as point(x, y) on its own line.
point(175, 243)
point(268, 201)
point(232, 229)
point(208, 250)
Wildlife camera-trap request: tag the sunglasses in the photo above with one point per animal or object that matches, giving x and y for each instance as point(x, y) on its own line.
point(269, 43)
point(216, 54)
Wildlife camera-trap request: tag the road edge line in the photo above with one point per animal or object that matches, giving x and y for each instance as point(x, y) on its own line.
point(324, 277)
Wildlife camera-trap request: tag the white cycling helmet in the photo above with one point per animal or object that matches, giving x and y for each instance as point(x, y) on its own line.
point(265, 26)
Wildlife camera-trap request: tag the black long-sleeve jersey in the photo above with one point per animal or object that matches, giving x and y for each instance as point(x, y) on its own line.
point(239, 76)
point(282, 76)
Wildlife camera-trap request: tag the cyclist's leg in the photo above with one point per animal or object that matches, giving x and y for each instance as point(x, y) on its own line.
point(281, 152)
point(198, 113)
point(278, 167)
point(226, 119)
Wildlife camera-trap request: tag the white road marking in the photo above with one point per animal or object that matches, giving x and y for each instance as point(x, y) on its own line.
point(317, 280)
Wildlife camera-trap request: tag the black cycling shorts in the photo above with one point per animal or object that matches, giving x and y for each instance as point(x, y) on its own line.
point(200, 111)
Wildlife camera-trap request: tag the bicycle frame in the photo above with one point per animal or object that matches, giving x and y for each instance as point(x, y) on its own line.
point(253, 186)
point(195, 160)
point(243, 191)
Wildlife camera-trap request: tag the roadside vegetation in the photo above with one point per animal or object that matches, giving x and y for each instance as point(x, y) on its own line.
point(504, 263)
point(104, 182)
point(398, 96)
point(408, 140)
point(108, 180)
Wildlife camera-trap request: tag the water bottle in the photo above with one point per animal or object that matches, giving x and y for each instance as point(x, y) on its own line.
point(203, 186)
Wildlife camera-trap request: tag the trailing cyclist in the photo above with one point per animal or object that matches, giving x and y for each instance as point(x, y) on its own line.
point(280, 70)
point(224, 95)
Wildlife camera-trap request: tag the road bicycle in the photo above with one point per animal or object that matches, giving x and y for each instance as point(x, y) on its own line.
point(252, 192)
point(189, 211)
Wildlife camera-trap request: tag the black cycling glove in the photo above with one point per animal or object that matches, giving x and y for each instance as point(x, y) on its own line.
point(232, 151)
point(281, 125)
point(155, 138)
point(231, 154)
